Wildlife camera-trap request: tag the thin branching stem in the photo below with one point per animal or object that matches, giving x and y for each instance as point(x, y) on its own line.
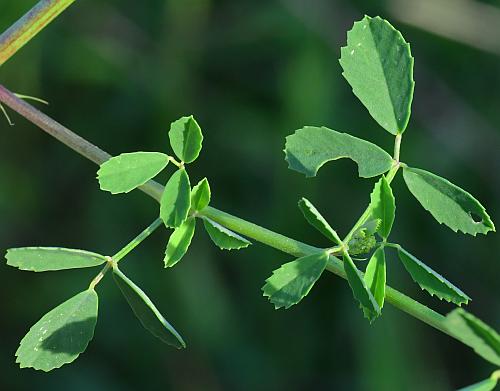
point(241, 226)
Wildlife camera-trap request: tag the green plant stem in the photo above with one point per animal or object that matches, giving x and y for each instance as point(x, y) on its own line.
point(66, 136)
point(243, 227)
point(113, 261)
point(29, 25)
point(397, 147)
point(137, 240)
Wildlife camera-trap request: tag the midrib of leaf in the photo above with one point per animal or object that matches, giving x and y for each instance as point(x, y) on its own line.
point(379, 63)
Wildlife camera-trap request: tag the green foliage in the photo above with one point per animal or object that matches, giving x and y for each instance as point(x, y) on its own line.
point(449, 204)
point(176, 199)
point(383, 206)
point(294, 280)
point(375, 276)
point(378, 65)
point(224, 238)
point(146, 311)
point(179, 242)
point(310, 147)
point(42, 259)
point(186, 138)
point(61, 335)
point(200, 195)
point(431, 281)
point(360, 289)
point(314, 218)
point(475, 333)
point(128, 171)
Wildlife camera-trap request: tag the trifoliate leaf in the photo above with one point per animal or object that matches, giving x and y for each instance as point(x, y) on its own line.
point(200, 195)
point(360, 289)
point(176, 199)
point(486, 385)
point(448, 203)
point(474, 333)
point(179, 242)
point(431, 281)
point(310, 147)
point(292, 281)
point(127, 171)
point(224, 238)
point(314, 218)
point(41, 259)
point(61, 335)
point(375, 276)
point(383, 206)
point(186, 138)
point(146, 311)
point(378, 65)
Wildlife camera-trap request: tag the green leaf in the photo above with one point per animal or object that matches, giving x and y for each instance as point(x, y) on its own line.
point(200, 195)
point(375, 276)
point(61, 335)
point(179, 242)
point(383, 206)
point(293, 281)
point(474, 333)
point(310, 147)
point(224, 238)
point(314, 218)
point(176, 199)
point(448, 203)
point(360, 289)
point(486, 385)
point(128, 171)
point(146, 312)
point(431, 281)
point(41, 259)
point(186, 138)
point(378, 65)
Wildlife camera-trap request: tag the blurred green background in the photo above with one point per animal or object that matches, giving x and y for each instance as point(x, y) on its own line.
point(119, 71)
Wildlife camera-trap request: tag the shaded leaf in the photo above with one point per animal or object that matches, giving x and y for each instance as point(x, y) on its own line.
point(200, 195)
point(314, 218)
point(310, 147)
point(293, 281)
point(176, 199)
point(146, 311)
point(41, 259)
point(431, 281)
point(375, 276)
point(474, 333)
point(186, 138)
point(383, 206)
point(224, 238)
point(127, 171)
point(360, 289)
point(61, 335)
point(449, 204)
point(179, 242)
point(378, 65)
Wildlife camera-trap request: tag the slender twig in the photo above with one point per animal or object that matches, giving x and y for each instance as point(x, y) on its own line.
point(14, 38)
point(243, 227)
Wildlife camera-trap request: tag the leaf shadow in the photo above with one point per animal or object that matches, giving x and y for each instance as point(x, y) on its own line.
point(72, 338)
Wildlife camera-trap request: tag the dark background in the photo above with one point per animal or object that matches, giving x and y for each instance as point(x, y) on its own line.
point(119, 71)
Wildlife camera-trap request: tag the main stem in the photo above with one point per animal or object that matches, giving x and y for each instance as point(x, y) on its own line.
point(243, 227)
point(30, 25)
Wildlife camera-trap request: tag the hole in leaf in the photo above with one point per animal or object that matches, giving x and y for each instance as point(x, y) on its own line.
point(477, 219)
